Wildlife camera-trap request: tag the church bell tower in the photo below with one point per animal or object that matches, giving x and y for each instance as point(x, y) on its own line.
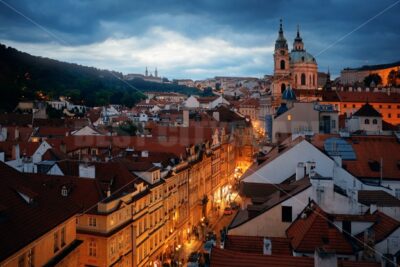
point(281, 65)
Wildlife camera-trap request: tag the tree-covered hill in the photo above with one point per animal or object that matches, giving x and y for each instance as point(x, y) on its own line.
point(23, 76)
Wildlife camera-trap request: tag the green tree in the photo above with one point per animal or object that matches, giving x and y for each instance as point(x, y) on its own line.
point(374, 77)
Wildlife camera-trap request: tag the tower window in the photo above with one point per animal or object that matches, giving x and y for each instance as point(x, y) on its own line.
point(283, 87)
point(282, 64)
point(295, 79)
point(303, 79)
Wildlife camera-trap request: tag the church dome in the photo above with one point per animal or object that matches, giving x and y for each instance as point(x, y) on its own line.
point(301, 57)
point(288, 94)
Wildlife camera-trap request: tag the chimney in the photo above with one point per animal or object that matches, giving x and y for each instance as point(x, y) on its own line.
point(216, 115)
point(325, 258)
point(145, 154)
point(267, 247)
point(185, 118)
point(108, 192)
point(372, 208)
point(16, 134)
point(310, 165)
point(16, 154)
point(299, 171)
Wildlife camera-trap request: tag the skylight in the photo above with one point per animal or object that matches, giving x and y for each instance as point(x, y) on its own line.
point(339, 147)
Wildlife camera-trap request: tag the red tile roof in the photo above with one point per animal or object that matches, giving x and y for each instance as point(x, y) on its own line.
point(24, 133)
point(371, 149)
point(315, 231)
point(229, 258)
point(378, 197)
point(51, 132)
point(363, 97)
point(21, 222)
point(384, 225)
point(254, 244)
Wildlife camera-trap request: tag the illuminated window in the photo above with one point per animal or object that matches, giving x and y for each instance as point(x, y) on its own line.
point(92, 221)
point(289, 117)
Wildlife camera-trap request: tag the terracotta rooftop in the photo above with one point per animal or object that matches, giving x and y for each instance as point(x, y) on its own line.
point(378, 197)
point(363, 97)
point(254, 244)
point(229, 258)
point(22, 222)
point(312, 230)
point(384, 225)
point(369, 151)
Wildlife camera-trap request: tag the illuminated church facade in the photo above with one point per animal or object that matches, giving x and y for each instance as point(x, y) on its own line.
point(296, 69)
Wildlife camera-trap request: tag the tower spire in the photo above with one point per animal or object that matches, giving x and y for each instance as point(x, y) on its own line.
point(281, 41)
point(298, 31)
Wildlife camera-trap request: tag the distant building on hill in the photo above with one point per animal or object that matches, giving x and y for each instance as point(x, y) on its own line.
point(354, 75)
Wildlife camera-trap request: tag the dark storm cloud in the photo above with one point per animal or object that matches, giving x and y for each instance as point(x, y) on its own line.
point(242, 23)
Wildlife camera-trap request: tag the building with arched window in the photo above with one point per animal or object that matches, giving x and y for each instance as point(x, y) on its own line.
point(296, 68)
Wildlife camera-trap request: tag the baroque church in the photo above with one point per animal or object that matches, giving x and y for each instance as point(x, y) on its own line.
point(296, 69)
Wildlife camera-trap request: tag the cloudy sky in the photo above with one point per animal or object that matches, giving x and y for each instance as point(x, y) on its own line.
point(201, 38)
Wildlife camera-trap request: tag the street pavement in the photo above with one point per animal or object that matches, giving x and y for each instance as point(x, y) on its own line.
point(217, 222)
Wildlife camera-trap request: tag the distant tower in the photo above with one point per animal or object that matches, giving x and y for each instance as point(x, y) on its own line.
point(282, 76)
point(146, 73)
point(298, 44)
point(156, 73)
point(328, 83)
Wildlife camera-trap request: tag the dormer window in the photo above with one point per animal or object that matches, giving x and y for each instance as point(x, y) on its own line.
point(64, 191)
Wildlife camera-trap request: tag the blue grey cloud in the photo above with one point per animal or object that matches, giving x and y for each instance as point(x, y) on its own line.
point(244, 31)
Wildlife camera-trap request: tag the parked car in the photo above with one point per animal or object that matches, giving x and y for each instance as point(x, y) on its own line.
point(228, 211)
